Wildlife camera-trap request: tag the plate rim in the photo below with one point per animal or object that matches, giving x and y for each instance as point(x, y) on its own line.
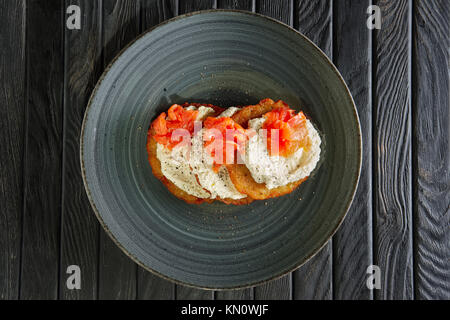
point(132, 256)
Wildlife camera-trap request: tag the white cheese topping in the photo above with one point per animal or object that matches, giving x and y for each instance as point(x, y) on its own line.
point(203, 112)
point(276, 171)
point(229, 112)
point(175, 168)
point(175, 162)
point(184, 164)
point(217, 183)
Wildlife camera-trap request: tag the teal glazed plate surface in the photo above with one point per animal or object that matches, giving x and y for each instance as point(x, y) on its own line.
point(224, 58)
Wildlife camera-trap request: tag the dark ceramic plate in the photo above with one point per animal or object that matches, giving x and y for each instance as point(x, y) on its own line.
point(224, 58)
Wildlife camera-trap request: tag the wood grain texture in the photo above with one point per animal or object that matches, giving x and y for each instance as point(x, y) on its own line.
point(186, 6)
point(281, 10)
point(42, 182)
point(392, 182)
point(314, 279)
point(315, 20)
point(352, 244)
point(12, 130)
point(153, 287)
point(244, 294)
point(235, 4)
point(48, 73)
point(188, 293)
point(79, 227)
point(117, 272)
point(431, 149)
point(154, 12)
point(150, 286)
point(280, 289)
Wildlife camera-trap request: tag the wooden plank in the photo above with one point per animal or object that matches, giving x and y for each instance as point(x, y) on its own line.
point(392, 151)
point(241, 294)
point(150, 286)
point(154, 12)
point(352, 244)
point(280, 289)
point(43, 153)
point(189, 293)
point(235, 4)
point(314, 279)
point(186, 6)
point(244, 294)
point(79, 228)
point(431, 149)
point(278, 9)
point(153, 287)
point(117, 272)
point(12, 130)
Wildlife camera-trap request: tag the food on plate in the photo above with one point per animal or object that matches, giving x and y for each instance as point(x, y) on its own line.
point(184, 166)
point(203, 153)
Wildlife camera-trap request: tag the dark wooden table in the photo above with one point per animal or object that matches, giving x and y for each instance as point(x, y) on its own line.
point(399, 77)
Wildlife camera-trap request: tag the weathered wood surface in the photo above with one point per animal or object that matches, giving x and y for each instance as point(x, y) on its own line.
point(392, 148)
point(117, 272)
point(79, 227)
point(12, 131)
point(314, 280)
point(185, 6)
point(399, 79)
point(246, 5)
point(150, 286)
point(431, 149)
point(352, 244)
point(43, 150)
